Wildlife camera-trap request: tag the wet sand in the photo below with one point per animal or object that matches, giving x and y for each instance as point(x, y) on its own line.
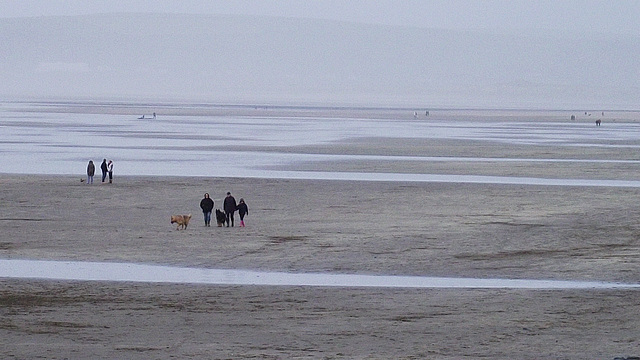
point(352, 227)
point(386, 228)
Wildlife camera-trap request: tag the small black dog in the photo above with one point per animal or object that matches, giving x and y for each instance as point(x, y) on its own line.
point(220, 218)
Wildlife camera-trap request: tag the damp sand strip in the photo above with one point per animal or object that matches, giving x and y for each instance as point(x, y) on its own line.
point(127, 272)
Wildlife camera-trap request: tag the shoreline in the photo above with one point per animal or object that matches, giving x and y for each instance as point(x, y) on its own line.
point(177, 108)
point(175, 102)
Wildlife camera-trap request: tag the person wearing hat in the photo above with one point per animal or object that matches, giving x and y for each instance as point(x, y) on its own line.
point(229, 208)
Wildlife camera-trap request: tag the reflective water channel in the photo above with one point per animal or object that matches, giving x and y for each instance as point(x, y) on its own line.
point(130, 272)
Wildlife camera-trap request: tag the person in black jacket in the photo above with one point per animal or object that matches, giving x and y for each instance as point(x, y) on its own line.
point(229, 208)
point(242, 211)
point(207, 207)
point(103, 167)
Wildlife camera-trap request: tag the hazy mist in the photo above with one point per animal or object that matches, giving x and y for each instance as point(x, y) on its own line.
point(259, 59)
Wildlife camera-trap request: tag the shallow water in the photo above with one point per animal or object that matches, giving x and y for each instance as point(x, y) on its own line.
point(105, 271)
point(62, 143)
point(403, 177)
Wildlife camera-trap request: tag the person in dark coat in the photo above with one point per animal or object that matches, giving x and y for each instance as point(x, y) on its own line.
point(103, 167)
point(242, 211)
point(207, 207)
point(229, 208)
point(91, 170)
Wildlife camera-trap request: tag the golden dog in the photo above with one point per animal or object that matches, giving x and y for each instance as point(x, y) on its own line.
point(181, 220)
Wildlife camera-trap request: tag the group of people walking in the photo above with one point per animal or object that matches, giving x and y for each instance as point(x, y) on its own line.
point(106, 167)
point(229, 206)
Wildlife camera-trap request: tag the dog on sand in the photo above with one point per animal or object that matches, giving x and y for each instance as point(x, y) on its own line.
point(220, 218)
point(181, 220)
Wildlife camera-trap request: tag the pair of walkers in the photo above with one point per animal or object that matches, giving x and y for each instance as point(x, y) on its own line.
point(229, 206)
point(107, 168)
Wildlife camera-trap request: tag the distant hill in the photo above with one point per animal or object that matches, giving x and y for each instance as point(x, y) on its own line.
point(264, 59)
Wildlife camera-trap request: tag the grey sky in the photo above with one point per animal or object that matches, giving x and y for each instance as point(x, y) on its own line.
point(619, 16)
point(517, 53)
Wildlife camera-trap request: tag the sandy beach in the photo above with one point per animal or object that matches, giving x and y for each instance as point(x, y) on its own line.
point(390, 228)
point(585, 229)
point(439, 180)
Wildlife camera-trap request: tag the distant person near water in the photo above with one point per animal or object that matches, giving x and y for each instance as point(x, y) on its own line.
point(229, 208)
point(242, 211)
point(207, 207)
point(103, 167)
point(110, 169)
point(91, 170)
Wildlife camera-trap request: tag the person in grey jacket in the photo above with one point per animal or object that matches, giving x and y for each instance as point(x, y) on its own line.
point(91, 170)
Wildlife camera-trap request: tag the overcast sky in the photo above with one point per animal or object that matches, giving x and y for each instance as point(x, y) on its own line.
point(619, 16)
point(530, 53)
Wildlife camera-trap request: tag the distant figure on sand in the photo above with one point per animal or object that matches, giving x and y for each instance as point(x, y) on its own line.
point(153, 116)
point(598, 122)
point(229, 208)
point(206, 205)
point(103, 167)
point(242, 211)
point(91, 170)
point(110, 169)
